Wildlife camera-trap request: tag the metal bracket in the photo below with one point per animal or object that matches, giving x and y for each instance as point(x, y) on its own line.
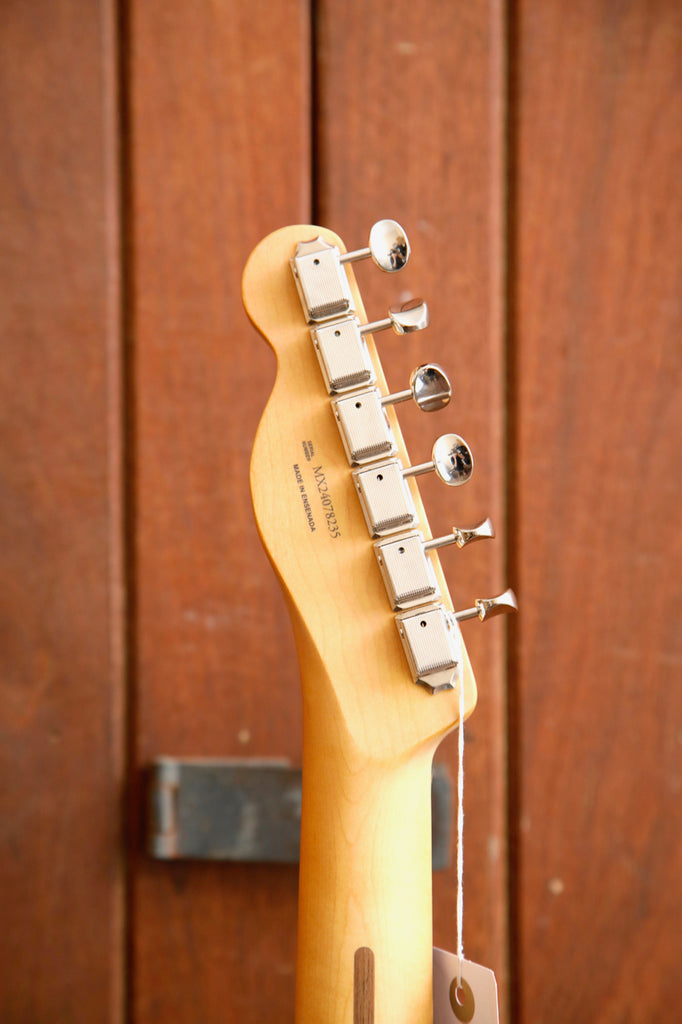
point(433, 645)
point(321, 281)
point(343, 355)
point(248, 810)
point(385, 498)
point(406, 570)
point(364, 427)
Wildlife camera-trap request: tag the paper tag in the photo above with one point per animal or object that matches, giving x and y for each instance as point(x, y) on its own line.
point(474, 1003)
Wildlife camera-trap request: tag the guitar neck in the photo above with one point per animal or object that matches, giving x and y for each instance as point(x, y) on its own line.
point(365, 880)
point(340, 515)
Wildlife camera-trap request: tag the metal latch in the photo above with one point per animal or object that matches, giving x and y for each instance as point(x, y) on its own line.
point(248, 810)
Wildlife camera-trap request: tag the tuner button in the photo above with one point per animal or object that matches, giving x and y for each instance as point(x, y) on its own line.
point(411, 316)
point(429, 387)
point(452, 461)
point(489, 607)
point(388, 247)
point(462, 537)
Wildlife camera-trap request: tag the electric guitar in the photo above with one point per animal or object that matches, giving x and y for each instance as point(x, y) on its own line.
point(382, 660)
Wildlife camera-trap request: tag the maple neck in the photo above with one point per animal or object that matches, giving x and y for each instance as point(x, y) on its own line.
point(369, 730)
point(365, 880)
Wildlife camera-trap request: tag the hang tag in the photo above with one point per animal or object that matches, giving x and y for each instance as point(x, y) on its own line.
point(474, 1003)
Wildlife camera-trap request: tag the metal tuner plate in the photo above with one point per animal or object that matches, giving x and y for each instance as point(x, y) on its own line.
point(407, 570)
point(344, 357)
point(321, 281)
point(433, 646)
point(364, 427)
point(385, 498)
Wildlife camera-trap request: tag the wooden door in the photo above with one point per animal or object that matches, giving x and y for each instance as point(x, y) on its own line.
point(531, 152)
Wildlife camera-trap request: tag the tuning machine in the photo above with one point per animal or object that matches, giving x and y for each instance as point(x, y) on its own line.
point(363, 423)
point(384, 495)
point(432, 640)
point(321, 280)
point(341, 348)
point(407, 571)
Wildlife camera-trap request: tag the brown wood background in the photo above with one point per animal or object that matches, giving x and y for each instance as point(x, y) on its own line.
point(532, 150)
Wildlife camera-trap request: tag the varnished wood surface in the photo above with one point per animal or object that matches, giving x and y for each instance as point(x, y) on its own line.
point(219, 144)
point(596, 473)
point(410, 125)
point(61, 681)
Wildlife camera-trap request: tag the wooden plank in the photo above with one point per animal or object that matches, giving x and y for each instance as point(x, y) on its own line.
point(61, 690)
point(597, 383)
point(220, 156)
point(410, 125)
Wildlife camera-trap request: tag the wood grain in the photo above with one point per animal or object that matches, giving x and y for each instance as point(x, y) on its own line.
point(219, 148)
point(410, 125)
point(61, 649)
point(597, 384)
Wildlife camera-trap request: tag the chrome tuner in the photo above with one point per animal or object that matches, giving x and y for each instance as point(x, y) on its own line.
point(342, 350)
point(384, 495)
point(429, 387)
point(488, 607)
point(462, 537)
point(451, 460)
point(407, 572)
point(432, 641)
point(433, 646)
point(411, 316)
point(388, 247)
point(363, 423)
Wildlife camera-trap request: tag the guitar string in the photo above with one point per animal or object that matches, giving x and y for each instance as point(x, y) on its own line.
point(460, 834)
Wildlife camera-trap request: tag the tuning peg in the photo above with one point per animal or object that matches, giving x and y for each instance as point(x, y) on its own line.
point(342, 350)
point(385, 497)
point(429, 387)
point(451, 460)
point(432, 640)
point(488, 607)
point(388, 247)
point(365, 429)
point(462, 537)
point(407, 571)
point(411, 316)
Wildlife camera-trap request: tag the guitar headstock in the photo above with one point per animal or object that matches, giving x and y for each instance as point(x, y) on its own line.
point(337, 503)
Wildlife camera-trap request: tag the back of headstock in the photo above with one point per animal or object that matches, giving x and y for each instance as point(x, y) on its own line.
point(316, 512)
point(339, 513)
